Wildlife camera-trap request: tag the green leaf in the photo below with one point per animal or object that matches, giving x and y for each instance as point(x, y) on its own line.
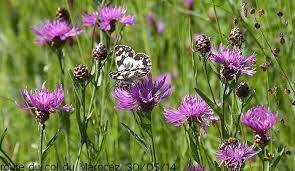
point(209, 102)
point(140, 140)
point(278, 158)
point(2, 137)
point(49, 144)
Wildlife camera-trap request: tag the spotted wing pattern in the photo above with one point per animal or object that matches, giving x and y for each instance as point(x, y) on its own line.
point(130, 66)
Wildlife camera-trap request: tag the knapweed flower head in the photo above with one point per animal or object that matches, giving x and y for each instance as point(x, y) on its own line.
point(55, 33)
point(143, 95)
point(189, 4)
point(192, 109)
point(43, 102)
point(234, 62)
point(107, 17)
point(195, 168)
point(260, 120)
point(232, 155)
point(159, 26)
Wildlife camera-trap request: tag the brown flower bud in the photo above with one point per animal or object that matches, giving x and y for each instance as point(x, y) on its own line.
point(265, 66)
point(99, 52)
point(280, 13)
point(202, 44)
point(261, 12)
point(236, 37)
point(257, 25)
point(242, 90)
point(252, 11)
point(81, 72)
point(62, 14)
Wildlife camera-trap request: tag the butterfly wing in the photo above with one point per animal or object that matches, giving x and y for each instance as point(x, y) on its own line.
point(129, 75)
point(142, 60)
point(124, 57)
point(130, 67)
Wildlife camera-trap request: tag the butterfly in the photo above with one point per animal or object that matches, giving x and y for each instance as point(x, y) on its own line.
point(130, 66)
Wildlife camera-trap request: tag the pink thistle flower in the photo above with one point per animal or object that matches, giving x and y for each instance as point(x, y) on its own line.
point(233, 155)
point(192, 108)
point(233, 61)
point(143, 95)
point(44, 102)
point(260, 120)
point(55, 33)
point(107, 17)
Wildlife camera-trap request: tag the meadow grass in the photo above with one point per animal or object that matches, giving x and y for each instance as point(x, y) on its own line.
point(24, 63)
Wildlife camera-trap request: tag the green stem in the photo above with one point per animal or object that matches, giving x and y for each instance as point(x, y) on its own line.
point(217, 21)
point(222, 119)
point(238, 121)
point(153, 149)
point(79, 155)
point(208, 78)
point(42, 128)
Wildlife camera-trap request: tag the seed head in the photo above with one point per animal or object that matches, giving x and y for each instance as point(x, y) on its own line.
point(257, 26)
point(99, 52)
point(261, 12)
point(242, 90)
point(282, 40)
point(252, 11)
point(265, 66)
point(62, 14)
point(287, 91)
point(81, 72)
point(276, 52)
point(280, 13)
point(236, 37)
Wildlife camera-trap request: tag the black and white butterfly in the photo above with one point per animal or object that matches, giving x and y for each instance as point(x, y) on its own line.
point(130, 66)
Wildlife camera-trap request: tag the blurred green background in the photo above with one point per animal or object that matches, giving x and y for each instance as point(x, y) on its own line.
point(24, 63)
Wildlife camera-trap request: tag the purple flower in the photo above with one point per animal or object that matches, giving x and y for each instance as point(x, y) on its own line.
point(55, 33)
point(193, 109)
point(159, 26)
point(44, 102)
point(233, 155)
point(189, 4)
point(234, 61)
point(195, 168)
point(107, 17)
point(143, 95)
point(260, 120)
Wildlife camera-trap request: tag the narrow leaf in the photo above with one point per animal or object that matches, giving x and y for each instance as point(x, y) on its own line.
point(278, 158)
point(140, 140)
point(49, 144)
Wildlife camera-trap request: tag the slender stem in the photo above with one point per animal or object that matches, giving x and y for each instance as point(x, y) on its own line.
point(60, 56)
point(217, 21)
point(61, 66)
point(222, 119)
point(265, 163)
point(7, 157)
point(42, 128)
point(238, 121)
point(79, 155)
point(153, 150)
point(208, 78)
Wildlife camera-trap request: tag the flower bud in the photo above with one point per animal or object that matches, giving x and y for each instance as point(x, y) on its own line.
point(236, 37)
point(62, 14)
point(242, 90)
point(99, 52)
point(81, 72)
